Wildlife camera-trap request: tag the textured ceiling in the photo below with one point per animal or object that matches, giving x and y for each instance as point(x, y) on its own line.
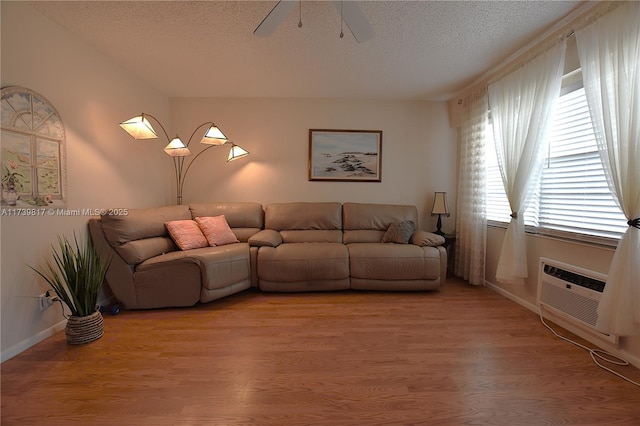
point(425, 50)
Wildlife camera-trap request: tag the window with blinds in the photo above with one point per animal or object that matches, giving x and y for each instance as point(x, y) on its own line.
point(573, 199)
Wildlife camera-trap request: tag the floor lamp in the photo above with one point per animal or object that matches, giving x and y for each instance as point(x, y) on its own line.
point(140, 128)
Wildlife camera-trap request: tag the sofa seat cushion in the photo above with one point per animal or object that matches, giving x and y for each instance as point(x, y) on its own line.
point(362, 236)
point(220, 266)
point(303, 262)
point(393, 261)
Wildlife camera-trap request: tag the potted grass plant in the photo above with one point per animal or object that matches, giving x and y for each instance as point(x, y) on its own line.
point(76, 275)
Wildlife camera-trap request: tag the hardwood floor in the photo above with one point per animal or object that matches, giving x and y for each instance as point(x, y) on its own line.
point(463, 355)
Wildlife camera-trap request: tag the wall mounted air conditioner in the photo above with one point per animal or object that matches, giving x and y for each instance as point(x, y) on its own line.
point(572, 294)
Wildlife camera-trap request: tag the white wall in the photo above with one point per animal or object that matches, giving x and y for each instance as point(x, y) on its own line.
point(105, 167)
point(418, 151)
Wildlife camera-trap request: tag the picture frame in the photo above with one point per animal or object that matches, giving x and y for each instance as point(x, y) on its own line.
point(345, 155)
point(32, 154)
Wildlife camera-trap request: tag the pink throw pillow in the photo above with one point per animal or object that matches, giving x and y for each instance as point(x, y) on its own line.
point(186, 234)
point(217, 230)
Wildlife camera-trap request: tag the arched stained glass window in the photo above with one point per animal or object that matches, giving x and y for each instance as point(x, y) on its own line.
point(33, 143)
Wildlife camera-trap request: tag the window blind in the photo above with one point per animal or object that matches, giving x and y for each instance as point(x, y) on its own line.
point(573, 199)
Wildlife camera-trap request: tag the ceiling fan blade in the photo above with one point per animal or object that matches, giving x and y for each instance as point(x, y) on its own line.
point(356, 20)
point(278, 14)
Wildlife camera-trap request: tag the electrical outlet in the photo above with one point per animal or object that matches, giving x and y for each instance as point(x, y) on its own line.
point(46, 299)
point(43, 301)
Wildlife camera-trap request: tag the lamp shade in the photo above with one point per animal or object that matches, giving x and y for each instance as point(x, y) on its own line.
point(236, 152)
point(139, 128)
point(214, 136)
point(177, 148)
point(440, 204)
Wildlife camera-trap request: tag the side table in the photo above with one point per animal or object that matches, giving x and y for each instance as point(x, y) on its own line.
point(450, 246)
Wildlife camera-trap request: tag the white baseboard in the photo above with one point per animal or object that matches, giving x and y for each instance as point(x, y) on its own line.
point(621, 353)
point(26, 344)
point(520, 301)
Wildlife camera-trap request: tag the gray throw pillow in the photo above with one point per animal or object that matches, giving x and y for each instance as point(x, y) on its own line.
point(399, 232)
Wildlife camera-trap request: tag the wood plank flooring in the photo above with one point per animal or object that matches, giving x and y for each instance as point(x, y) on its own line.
point(463, 355)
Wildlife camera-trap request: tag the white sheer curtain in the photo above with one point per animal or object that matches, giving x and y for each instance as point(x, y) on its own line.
point(471, 222)
point(609, 52)
point(521, 105)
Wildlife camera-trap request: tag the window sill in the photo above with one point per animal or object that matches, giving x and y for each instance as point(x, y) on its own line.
point(584, 239)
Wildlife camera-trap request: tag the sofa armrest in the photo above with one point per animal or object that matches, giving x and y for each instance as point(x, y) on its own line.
point(426, 239)
point(119, 276)
point(266, 238)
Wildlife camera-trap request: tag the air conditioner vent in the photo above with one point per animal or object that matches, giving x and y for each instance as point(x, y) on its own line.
point(574, 305)
point(573, 294)
point(574, 278)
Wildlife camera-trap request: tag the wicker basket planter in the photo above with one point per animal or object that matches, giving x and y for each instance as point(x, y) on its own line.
point(76, 276)
point(80, 330)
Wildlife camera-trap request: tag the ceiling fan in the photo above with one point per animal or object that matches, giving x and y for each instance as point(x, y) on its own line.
point(349, 10)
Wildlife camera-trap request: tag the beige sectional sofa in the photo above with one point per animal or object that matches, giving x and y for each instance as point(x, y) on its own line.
point(147, 270)
point(281, 247)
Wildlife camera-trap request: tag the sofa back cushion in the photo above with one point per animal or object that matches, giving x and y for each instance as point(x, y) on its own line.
point(244, 219)
point(138, 251)
point(141, 223)
point(141, 234)
point(305, 222)
point(368, 223)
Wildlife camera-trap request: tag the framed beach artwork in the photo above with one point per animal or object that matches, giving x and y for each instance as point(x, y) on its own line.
point(345, 155)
